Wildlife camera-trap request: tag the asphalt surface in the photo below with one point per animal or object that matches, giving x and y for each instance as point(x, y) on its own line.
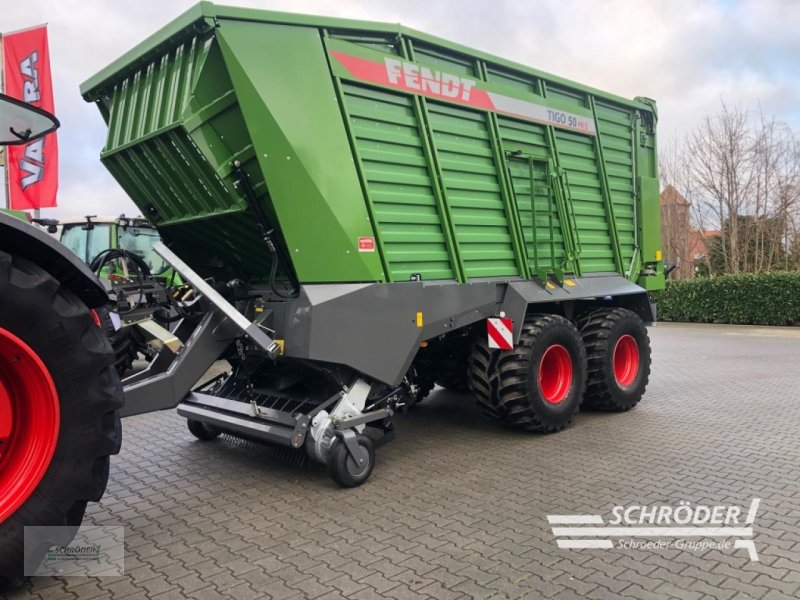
point(457, 507)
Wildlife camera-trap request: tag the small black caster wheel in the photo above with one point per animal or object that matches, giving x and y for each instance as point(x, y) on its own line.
point(202, 431)
point(344, 469)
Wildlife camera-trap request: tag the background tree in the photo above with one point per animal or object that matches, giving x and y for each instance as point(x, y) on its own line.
point(740, 171)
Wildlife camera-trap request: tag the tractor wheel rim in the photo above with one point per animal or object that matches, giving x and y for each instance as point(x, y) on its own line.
point(626, 361)
point(29, 422)
point(555, 374)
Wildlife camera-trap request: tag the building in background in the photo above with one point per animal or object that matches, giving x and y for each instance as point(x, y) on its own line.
point(683, 245)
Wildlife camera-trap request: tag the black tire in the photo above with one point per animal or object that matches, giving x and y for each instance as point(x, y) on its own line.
point(602, 330)
point(506, 382)
point(343, 469)
point(202, 431)
point(127, 342)
point(482, 377)
point(58, 326)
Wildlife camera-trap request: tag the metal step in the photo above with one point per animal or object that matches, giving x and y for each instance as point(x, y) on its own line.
point(236, 417)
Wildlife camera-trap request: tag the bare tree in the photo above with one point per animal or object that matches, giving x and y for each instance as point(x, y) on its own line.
point(721, 169)
point(740, 171)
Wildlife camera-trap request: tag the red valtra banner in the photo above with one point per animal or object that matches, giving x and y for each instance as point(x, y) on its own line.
point(32, 168)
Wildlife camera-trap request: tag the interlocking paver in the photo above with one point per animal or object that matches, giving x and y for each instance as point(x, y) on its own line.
point(457, 505)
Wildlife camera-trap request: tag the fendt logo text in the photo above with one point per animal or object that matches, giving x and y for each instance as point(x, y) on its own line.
point(659, 527)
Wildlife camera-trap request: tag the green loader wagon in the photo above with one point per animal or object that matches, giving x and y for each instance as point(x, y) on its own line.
point(358, 212)
point(367, 210)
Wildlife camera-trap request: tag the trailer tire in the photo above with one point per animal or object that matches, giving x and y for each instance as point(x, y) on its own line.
point(56, 344)
point(343, 469)
point(538, 386)
point(482, 377)
point(202, 431)
point(618, 353)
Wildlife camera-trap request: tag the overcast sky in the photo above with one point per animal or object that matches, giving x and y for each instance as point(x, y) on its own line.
point(686, 54)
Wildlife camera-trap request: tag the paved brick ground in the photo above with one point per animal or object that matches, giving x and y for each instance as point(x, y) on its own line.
point(457, 505)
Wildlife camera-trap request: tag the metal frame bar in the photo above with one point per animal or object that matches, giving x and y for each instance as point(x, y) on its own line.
point(165, 389)
point(369, 417)
point(243, 408)
point(253, 331)
point(264, 431)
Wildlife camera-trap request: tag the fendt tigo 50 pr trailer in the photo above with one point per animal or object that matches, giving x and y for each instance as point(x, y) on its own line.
point(366, 210)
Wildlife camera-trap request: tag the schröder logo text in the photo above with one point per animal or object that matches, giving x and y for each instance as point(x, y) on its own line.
point(683, 514)
point(687, 526)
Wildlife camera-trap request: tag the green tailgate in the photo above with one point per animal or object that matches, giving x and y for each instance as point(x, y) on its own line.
point(378, 153)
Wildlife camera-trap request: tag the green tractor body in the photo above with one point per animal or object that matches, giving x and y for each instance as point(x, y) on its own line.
point(89, 236)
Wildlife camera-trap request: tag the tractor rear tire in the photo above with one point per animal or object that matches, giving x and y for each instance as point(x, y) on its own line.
point(537, 386)
point(618, 352)
point(54, 361)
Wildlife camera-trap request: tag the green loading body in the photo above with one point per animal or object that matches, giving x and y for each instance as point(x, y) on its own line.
point(376, 153)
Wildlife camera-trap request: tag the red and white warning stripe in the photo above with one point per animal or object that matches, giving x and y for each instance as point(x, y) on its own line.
point(500, 333)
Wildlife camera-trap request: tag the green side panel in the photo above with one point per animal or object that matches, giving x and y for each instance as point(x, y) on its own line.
point(301, 145)
point(178, 123)
point(578, 159)
point(472, 190)
point(615, 132)
point(174, 131)
point(649, 193)
point(545, 241)
point(399, 184)
point(338, 148)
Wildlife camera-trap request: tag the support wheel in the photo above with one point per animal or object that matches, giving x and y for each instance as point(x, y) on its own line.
point(618, 351)
point(344, 469)
point(537, 386)
point(202, 431)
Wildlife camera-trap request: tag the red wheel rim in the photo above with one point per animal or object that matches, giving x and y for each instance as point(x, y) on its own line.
point(555, 374)
point(626, 360)
point(29, 422)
